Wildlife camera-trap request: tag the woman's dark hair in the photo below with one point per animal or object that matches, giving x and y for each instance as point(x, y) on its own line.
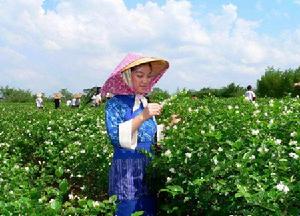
point(249, 87)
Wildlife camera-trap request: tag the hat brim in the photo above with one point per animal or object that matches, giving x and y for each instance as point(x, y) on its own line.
point(57, 96)
point(77, 95)
point(158, 65)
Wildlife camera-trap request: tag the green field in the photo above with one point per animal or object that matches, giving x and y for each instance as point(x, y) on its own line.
point(225, 157)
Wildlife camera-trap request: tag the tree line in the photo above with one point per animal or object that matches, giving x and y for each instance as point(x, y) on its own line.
point(274, 83)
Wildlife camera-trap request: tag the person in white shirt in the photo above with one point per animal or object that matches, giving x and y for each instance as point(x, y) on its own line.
point(69, 103)
point(93, 100)
point(39, 101)
point(73, 102)
point(98, 99)
point(250, 95)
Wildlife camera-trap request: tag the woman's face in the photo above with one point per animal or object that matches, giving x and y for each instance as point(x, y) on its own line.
point(141, 77)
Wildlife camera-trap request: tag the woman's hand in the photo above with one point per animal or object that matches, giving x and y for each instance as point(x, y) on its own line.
point(153, 109)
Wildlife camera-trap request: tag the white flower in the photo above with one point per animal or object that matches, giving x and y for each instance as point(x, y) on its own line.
point(256, 112)
point(254, 132)
point(293, 142)
point(238, 165)
point(26, 168)
point(262, 149)
point(172, 170)
point(168, 153)
point(252, 157)
point(188, 155)
point(96, 204)
point(282, 187)
point(271, 121)
point(220, 149)
point(169, 179)
point(71, 196)
point(277, 141)
point(215, 160)
point(293, 134)
point(229, 107)
point(77, 143)
point(202, 132)
point(82, 151)
point(293, 155)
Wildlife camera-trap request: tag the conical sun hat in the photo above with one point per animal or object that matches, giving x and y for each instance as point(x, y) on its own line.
point(116, 85)
point(57, 95)
point(39, 95)
point(77, 95)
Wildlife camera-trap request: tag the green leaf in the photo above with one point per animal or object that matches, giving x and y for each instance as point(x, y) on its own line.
point(59, 171)
point(63, 186)
point(56, 205)
point(173, 190)
point(138, 213)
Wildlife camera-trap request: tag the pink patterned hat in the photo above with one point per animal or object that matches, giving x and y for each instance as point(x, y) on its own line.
point(116, 85)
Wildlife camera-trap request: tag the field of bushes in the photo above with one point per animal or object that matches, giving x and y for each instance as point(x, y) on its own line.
point(224, 157)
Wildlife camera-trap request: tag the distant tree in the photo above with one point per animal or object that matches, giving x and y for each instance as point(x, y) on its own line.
point(15, 95)
point(232, 90)
point(66, 93)
point(158, 95)
point(204, 92)
point(276, 83)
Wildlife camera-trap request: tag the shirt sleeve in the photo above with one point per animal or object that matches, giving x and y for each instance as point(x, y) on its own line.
point(160, 132)
point(118, 129)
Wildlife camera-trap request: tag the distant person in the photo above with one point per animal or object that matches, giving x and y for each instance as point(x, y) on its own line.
point(250, 95)
point(94, 100)
point(69, 103)
point(39, 101)
point(56, 103)
point(73, 102)
point(98, 99)
point(77, 102)
point(57, 100)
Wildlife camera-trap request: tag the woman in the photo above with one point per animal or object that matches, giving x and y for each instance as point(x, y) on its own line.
point(131, 128)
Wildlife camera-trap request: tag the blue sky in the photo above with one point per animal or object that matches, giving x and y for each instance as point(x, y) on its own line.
point(54, 44)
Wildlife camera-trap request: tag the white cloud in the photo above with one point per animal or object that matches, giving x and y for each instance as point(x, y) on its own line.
point(80, 43)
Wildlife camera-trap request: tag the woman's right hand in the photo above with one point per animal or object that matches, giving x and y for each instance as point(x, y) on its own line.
point(152, 109)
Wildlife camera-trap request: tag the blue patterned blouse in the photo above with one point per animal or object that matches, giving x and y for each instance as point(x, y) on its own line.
point(127, 172)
